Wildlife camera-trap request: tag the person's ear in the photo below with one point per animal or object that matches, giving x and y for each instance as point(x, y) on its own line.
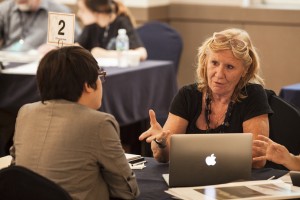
point(245, 72)
point(87, 88)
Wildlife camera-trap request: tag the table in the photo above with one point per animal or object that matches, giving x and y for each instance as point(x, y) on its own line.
point(152, 185)
point(291, 94)
point(128, 93)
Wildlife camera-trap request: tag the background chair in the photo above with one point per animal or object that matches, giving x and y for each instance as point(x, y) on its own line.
point(20, 183)
point(161, 41)
point(284, 125)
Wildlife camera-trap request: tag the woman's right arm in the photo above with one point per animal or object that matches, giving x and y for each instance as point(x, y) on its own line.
point(173, 125)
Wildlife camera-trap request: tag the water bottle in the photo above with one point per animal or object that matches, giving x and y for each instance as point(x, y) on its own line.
point(122, 44)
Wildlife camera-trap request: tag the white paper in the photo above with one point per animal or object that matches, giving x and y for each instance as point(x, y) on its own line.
point(107, 62)
point(266, 189)
point(132, 60)
point(139, 166)
point(5, 161)
point(27, 69)
point(166, 178)
point(286, 178)
point(130, 156)
point(22, 57)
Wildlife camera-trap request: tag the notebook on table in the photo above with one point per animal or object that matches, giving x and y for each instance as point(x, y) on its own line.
point(209, 159)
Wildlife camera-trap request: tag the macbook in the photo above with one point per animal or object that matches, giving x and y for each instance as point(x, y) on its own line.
point(208, 159)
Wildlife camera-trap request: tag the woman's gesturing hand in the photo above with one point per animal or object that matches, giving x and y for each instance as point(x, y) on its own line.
point(155, 130)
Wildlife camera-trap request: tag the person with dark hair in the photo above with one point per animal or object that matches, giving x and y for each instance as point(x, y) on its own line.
point(102, 20)
point(228, 96)
point(65, 138)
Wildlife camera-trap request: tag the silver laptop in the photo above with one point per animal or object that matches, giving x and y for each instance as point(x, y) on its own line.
point(208, 159)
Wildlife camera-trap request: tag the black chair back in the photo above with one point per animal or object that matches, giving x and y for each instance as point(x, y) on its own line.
point(20, 183)
point(284, 125)
point(161, 41)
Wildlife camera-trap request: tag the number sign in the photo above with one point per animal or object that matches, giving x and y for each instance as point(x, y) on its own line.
point(61, 28)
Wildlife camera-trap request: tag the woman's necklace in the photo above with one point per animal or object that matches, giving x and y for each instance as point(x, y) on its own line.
point(219, 117)
point(208, 102)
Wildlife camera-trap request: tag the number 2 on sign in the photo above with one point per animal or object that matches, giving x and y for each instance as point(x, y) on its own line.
point(63, 23)
point(61, 28)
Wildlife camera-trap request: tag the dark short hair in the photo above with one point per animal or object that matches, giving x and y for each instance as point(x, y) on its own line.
point(101, 6)
point(63, 72)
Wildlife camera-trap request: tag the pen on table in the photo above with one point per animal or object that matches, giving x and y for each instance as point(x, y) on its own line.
point(140, 166)
point(271, 178)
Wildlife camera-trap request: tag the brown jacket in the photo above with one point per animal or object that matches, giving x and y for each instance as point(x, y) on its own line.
point(76, 147)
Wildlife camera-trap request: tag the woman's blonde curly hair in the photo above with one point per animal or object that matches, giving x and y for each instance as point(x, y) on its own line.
point(247, 54)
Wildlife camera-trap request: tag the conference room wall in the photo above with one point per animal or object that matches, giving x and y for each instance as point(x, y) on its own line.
point(275, 33)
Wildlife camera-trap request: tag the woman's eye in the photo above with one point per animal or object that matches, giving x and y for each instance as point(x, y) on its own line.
point(230, 67)
point(215, 63)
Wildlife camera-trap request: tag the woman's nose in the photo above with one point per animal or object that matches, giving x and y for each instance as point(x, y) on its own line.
point(220, 72)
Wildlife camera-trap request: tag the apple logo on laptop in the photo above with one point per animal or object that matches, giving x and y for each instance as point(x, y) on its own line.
point(211, 160)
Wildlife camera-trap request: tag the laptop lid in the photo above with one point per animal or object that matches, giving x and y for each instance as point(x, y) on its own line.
point(208, 159)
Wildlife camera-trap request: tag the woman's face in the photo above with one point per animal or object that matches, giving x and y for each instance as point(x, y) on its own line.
point(89, 17)
point(103, 19)
point(86, 16)
point(224, 71)
point(27, 5)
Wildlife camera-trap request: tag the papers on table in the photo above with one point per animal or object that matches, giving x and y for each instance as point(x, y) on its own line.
point(129, 59)
point(22, 57)
point(286, 178)
point(107, 62)
point(267, 189)
point(166, 178)
point(5, 161)
point(31, 67)
point(135, 161)
point(28, 69)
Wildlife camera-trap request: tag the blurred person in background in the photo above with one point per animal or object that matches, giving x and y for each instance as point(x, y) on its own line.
point(24, 24)
point(23, 28)
point(102, 20)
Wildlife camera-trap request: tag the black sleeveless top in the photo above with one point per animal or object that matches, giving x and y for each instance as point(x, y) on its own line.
point(188, 105)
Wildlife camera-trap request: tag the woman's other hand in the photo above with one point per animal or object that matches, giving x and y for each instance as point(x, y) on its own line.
point(270, 150)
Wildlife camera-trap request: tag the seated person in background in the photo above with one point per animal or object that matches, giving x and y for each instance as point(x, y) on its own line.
point(276, 153)
point(228, 96)
point(102, 20)
point(23, 24)
point(65, 138)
